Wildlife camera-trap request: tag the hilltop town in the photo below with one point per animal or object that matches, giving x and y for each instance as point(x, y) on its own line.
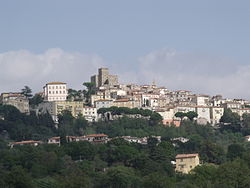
point(104, 91)
point(122, 135)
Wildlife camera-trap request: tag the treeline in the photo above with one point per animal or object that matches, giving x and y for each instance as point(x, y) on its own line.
point(153, 116)
point(17, 126)
point(117, 164)
point(224, 153)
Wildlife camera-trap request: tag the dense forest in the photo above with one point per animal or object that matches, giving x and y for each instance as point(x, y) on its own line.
point(223, 151)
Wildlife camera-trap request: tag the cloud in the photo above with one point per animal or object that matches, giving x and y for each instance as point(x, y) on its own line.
point(200, 73)
point(19, 68)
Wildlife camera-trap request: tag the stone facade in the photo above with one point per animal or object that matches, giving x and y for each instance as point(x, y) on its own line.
point(186, 162)
point(54, 108)
point(16, 99)
point(104, 78)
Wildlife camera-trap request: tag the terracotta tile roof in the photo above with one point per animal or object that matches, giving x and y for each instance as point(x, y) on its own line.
point(103, 100)
point(179, 156)
point(122, 100)
point(54, 138)
point(27, 142)
point(56, 83)
point(96, 135)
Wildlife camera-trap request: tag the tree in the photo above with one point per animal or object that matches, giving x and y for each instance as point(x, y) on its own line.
point(180, 115)
point(65, 127)
point(157, 180)
point(235, 150)
point(26, 91)
point(230, 120)
point(155, 118)
point(233, 174)
point(18, 177)
point(191, 115)
point(230, 117)
point(203, 175)
point(35, 100)
point(122, 177)
point(212, 153)
point(246, 124)
point(75, 95)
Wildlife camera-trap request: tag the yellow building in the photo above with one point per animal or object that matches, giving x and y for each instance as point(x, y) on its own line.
point(125, 103)
point(55, 108)
point(186, 162)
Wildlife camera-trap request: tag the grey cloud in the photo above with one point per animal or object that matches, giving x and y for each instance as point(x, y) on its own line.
point(199, 73)
point(19, 68)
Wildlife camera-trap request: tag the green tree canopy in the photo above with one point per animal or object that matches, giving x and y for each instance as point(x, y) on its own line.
point(26, 91)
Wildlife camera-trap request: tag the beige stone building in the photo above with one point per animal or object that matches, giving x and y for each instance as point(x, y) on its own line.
point(125, 103)
point(104, 78)
point(186, 162)
point(55, 108)
point(16, 99)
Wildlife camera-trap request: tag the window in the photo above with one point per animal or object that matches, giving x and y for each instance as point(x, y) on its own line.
point(181, 160)
point(181, 166)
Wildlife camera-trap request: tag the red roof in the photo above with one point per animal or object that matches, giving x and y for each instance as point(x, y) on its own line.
point(179, 156)
point(27, 142)
point(56, 83)
point(103, 100)
point(96, 135)
point(54, 138)
point(122, 100)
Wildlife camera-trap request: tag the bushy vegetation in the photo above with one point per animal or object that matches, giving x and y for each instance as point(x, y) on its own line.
point(223, 152)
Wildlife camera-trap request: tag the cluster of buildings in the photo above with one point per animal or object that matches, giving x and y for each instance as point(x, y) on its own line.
point(16, 99)
point(109, 92)
point(92, 138)
point(183, 163)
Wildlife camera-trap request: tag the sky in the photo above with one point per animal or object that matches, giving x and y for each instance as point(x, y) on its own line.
point(197, 45)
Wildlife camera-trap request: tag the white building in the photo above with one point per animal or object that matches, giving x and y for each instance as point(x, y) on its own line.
point(215, 114)
point(55, 91)
point(202, 100)
point(184, 109)
point(203, 114)
point(90, 114)
point(103, 103)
